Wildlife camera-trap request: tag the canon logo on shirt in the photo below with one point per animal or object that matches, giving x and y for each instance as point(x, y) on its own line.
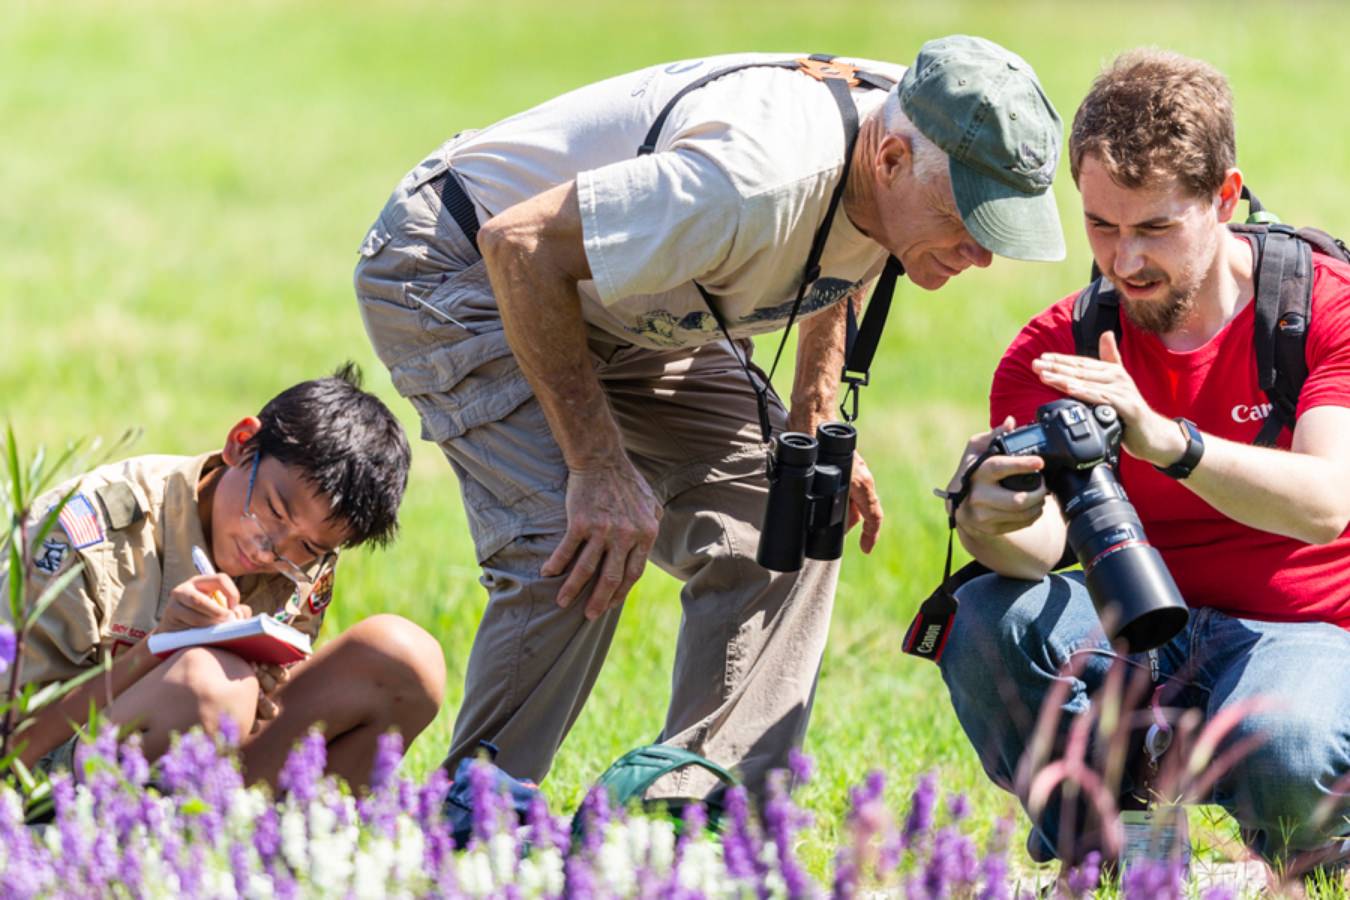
point(1245, 413)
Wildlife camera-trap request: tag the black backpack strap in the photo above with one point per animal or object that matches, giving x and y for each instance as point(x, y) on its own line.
point(1095, 312)
point(649, 142)
point(1283, 297)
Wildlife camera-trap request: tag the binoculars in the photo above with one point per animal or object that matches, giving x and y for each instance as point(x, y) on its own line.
point(807, 509)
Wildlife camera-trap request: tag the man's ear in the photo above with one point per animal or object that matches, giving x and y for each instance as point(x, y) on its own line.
point(894, 158)
point(1230, 192)
point(237, 449)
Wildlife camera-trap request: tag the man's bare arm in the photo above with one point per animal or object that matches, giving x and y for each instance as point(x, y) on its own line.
point(815, 391)
point(535, 256)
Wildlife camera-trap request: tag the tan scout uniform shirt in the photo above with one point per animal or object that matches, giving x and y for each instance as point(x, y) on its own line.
point(133, 524)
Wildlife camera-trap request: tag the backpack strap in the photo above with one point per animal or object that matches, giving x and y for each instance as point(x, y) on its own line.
point(1095, 312)
point(1283, 297)
point(637, 770)
point(629, 777)
point(839, 78)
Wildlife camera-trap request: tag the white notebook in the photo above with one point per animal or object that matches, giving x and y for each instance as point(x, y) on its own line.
point(260, 639)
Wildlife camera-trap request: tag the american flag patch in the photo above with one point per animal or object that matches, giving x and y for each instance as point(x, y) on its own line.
point(80, 522)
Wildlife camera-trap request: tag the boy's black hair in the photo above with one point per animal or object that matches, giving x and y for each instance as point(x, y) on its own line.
point(347, 445)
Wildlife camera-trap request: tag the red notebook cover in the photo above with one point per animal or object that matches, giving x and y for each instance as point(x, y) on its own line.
point(261, 639)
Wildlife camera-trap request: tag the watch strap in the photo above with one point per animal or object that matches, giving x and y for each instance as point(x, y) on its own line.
point(1195, 448)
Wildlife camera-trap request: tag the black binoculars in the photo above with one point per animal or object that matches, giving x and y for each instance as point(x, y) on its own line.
point(807, 509)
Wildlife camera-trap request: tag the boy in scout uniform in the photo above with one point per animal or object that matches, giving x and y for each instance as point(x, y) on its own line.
point(322, 466)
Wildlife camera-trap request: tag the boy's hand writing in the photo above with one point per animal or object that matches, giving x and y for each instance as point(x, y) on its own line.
point(196, 603)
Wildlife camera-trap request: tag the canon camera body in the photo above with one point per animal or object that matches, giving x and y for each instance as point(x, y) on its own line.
point(1130, 586)
point(807, 509)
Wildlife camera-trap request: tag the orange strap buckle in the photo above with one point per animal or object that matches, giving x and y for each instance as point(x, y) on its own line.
point(820, 70)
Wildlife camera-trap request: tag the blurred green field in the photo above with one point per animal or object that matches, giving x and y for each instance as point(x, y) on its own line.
point(184, 186)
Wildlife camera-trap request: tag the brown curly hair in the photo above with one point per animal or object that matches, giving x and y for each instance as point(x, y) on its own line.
point(1153, 115)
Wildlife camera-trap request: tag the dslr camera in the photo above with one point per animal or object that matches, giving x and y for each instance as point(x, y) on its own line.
point(808, 496)
point(1130, 586)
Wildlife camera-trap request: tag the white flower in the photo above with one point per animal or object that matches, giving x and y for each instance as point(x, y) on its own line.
point(501, 851)
point(294, 839)
point(474, 873)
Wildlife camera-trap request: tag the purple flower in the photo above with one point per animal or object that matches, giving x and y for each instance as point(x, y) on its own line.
point(958, 807)
point(783, 820)
point(1220, 892)
point(545, 831)
point(920, 818)
point(994, 874)
point(693, 819)
point(388, 753)
point(303, 770)
point(951, 865)
point(8, 642)
point(740, 849)
point(1084, 877)
point(134, 767)
point(1155, 880)
point(267, 834)
point(239, 867)
point(486, 800)
point(580, 879)
point(595, 816)
point(801, 766)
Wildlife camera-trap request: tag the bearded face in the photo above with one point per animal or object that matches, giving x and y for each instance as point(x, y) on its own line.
point(1160, 314)
point(1157, 244)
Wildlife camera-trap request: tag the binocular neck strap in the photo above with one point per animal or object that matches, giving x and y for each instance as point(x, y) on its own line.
point(860, 344)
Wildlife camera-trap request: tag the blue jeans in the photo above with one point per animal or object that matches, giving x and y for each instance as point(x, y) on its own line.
point(1013, 640)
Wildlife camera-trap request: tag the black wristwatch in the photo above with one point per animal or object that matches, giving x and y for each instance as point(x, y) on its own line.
point(1195, 448)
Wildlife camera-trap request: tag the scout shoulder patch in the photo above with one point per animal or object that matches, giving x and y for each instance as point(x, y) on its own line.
point(49, 558)
point(81, 523)
point(322, 593)
point(120, 505)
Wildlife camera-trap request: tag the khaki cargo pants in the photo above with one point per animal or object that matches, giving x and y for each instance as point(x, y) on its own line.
point(750, 641)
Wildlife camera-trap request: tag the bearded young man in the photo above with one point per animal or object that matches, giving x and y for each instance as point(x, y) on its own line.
point(1255, 537)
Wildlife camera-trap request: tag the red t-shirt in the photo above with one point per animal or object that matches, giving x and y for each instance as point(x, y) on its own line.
point(1215, 561)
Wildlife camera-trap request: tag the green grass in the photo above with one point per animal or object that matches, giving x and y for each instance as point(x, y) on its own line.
point(184, 185)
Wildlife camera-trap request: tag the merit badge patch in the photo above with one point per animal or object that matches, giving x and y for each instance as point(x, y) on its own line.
point(81, 523)
point(322, 593)
point(50, 557)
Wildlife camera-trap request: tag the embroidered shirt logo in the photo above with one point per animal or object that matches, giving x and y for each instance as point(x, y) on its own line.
point(50, 557)
point(80, 522)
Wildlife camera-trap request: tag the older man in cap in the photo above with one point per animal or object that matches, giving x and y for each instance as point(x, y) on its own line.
point(566, 297)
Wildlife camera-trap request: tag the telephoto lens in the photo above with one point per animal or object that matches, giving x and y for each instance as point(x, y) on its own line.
point(782, 538)
point(825, 531)
point(1136, 598)
point(1134, 593)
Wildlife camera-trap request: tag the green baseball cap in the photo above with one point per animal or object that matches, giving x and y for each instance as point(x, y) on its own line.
point(983, 106)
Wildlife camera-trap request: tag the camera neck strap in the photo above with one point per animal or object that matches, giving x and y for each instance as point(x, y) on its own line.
point(839, 78)
point(932, 626)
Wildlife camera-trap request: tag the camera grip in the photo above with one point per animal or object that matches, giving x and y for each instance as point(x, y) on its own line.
point(1025, 481)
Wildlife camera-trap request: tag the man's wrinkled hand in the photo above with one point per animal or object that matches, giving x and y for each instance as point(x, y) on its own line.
point(612, 520)
point(864, 504)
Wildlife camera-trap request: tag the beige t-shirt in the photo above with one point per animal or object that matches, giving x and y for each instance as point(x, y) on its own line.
point(133, 524)
point(741, 179)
